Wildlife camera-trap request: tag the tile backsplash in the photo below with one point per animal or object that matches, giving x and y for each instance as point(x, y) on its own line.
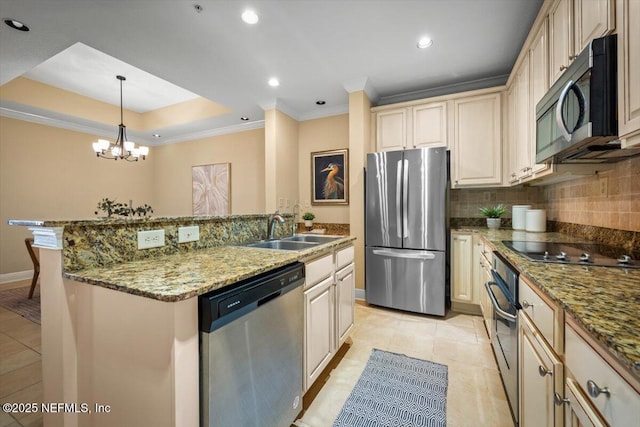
point(610, 199)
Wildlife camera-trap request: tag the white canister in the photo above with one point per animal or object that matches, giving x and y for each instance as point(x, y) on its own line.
point(518, 220)
point(536, 220)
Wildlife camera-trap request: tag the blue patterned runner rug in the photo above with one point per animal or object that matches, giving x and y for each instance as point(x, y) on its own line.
point(397, 390)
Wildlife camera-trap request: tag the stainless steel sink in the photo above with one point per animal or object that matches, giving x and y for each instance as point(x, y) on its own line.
point(283, 245)
point(311, 238)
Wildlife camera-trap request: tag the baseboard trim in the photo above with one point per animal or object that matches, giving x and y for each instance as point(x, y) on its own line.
point(15, 277)
point(360, 294)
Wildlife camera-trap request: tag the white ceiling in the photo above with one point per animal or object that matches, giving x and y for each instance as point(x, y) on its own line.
point(318, 49)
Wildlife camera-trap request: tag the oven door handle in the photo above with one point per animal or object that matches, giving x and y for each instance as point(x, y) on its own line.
point(500, 312)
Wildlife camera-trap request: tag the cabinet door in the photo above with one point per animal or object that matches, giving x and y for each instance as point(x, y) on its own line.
point(478, 274)
point(629, 72)
point(345, 300)
point(461, 268)
point(578, 411)
point(560, 37)
point(430, 125)
point(319, 329)
point(511, 132)
point(593, 19)
point(523, 161)
point(487, 311)
point(539, 84)
point(477, 157)
point(391, 129)
point(541, 375)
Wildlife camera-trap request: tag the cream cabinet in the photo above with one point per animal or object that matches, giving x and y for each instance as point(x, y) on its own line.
point(541, 377)
point(629, 72)
point(421, 125)
point(391, 129)
point(578, 411)
point(462, 278)
point(560, 37)
point(607, 393)
point(429, 125)
point(592, 19)
point(538, 86)
point(477, 141)
point(319, 327)
point(345, 293)
point(484, 276)
point(329, 298)
point(521, 121)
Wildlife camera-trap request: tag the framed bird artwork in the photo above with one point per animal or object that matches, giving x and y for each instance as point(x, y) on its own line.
point(330, 177)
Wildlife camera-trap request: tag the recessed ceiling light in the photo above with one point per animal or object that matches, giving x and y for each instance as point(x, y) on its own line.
point(16, 25)
point(156, 135)
point(250, 17)
point(274, 82)
point(424, 43)
point(320, 102)
point(244, 118)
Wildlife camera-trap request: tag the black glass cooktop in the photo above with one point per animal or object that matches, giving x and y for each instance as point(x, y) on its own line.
point(575, 253)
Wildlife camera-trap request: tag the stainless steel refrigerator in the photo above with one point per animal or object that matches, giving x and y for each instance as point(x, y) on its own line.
point(406, 221)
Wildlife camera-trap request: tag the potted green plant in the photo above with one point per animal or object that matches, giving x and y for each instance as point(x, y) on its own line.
point(493, 215)
point(308, 219)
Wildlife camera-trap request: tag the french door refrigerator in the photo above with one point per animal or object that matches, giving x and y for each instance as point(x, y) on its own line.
point(406, 230)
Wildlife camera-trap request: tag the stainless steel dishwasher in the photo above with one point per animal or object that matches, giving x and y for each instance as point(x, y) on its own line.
point(251, 351)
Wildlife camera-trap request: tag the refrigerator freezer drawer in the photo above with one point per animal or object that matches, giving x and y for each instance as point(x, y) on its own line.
point(411, 280)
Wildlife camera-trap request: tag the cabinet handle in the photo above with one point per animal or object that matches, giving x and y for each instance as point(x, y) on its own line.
point(563, 67)
point(595, 391)
point(559, 401)
point(513, 175)
point(526, 304)
point(572, 57)
point(543, 372)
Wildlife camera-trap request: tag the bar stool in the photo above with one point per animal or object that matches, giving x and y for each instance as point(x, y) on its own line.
point(36, 264)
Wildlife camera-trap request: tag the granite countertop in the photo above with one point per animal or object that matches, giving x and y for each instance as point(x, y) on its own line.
point(605, 301)
point(181, 276)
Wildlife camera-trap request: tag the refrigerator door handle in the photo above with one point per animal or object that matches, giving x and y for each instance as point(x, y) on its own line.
point(408, 255)
point(398, 196)
point(405, 197)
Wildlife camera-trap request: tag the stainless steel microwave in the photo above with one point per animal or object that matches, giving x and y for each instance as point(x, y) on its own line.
point(577, 120)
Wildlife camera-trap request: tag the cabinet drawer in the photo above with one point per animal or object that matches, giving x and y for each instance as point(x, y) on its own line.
point(621, 406)
point(317, 270)
point(543, 314)
point(344, 257)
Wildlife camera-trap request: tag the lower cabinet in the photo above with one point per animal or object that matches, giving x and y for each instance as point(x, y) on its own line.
point(541, 378)
point(319, 327)
point(329, 299)
point(462, 268)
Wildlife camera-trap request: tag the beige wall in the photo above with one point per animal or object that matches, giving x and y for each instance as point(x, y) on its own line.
point(172, 171)
point(280, 161)
point(52, 173)
point(327, 133)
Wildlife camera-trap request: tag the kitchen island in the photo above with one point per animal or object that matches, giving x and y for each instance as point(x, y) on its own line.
point(120, 338)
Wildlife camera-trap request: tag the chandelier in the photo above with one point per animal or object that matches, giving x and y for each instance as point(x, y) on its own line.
point(122, 148)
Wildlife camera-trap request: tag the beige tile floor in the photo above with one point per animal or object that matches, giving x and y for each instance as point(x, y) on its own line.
point(475, 395)
point(20, 363)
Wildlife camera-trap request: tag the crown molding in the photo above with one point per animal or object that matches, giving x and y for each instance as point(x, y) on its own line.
point(258, 124)
point(325, 112)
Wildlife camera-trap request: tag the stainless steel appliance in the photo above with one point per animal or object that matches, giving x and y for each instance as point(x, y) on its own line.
point(406, 225)
point(586, 254)
point(251, 351)
point(503, 293)
point(577, 121)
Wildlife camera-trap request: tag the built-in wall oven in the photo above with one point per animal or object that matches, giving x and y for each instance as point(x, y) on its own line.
point(503, 293)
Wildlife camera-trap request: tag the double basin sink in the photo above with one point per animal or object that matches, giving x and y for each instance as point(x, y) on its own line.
point(298, 242)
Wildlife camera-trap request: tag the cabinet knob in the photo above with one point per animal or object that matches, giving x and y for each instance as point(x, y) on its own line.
point(559, 400)
point(563, 67)
point(526, 304)
point(595, 391)
point(513, 175)
point(572, 57)
point(544, 372)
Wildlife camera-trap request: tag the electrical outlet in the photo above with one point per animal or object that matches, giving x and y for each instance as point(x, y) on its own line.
point(188, 234)
point(150, 239)
point(281, 202)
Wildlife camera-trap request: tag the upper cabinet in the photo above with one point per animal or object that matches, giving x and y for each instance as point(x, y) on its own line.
point(572, 25)
point(422, 125)
point(477, 141)
point(561, 37)
point(538, 86)
point(629, 72)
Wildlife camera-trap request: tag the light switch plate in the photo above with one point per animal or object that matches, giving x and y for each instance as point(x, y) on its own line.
point(150, 239)
point(189, 234)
